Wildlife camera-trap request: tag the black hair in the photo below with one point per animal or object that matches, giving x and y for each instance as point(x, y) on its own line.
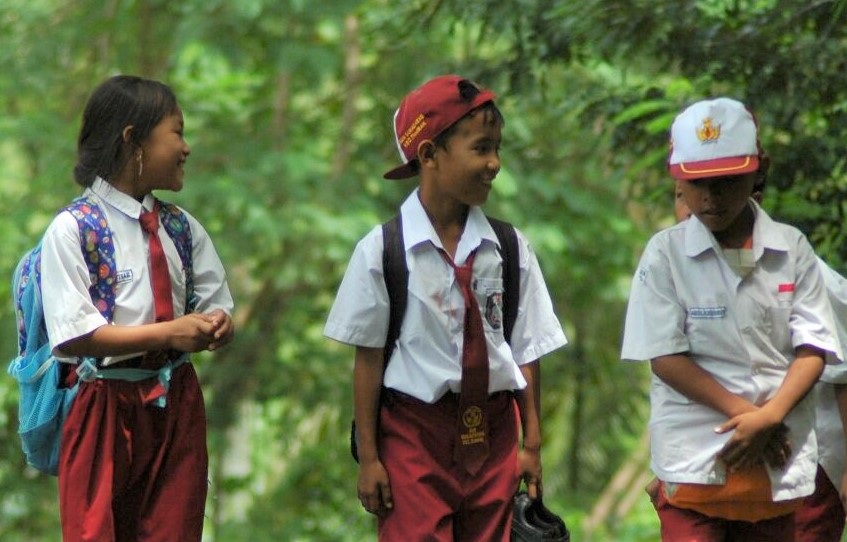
point(118, 102)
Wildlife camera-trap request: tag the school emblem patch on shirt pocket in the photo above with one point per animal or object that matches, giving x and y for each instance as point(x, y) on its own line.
point(494, 309)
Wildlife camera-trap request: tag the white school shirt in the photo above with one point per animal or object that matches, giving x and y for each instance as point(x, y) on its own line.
point(686, 299)
point(68, 310)
point(427, 360)
point(828, 426)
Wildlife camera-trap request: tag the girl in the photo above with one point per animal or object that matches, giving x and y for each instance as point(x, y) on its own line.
point(133, 462)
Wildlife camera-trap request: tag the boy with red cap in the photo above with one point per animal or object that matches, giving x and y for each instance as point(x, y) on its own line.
point(731, 310)
point(437, 426)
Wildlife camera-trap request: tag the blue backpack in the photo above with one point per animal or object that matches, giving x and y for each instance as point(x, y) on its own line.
point(44, 400)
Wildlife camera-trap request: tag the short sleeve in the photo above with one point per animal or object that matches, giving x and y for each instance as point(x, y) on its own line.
point(537, 329)
point(813, 321)
point(655, 319)
point(69, 312)
point(210, 284)
point(359, 316)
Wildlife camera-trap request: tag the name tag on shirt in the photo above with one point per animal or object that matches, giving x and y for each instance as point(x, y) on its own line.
point(124, 276)
point(707, 313)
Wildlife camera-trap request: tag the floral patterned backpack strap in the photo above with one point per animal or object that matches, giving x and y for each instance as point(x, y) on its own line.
point(176, 225)
point(99, 251)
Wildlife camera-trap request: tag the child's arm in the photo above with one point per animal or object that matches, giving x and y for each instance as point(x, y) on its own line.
point(373, 485)
point(694, 382)
point(190, 333)
point(691, 380)
point(529, 404)
point(841, 399)
point(745, 447)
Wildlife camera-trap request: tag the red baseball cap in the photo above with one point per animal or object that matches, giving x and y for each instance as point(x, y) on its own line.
point(426, 112)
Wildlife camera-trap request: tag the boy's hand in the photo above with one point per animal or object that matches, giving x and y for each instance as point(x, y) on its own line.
point(529, 467)
point(652, 489)
point(374, 488)
point(753, 433)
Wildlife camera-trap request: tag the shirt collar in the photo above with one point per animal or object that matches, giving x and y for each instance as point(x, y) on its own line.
point(417, 228)
point(121, 201)
point(699, 239)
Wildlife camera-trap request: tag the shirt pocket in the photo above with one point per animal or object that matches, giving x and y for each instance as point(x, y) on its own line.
point(489, 295)
point(706, 322)
point(777, 325)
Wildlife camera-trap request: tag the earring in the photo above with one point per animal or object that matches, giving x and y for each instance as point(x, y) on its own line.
point(138, 158)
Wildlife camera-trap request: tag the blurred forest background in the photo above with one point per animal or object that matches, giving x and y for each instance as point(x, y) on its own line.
point(288, 107)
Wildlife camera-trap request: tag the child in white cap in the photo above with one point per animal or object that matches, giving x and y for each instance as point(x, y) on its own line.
point(731, 310)
point(821, 517)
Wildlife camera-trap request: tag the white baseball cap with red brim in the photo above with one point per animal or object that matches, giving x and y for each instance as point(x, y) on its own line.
point(714, 138)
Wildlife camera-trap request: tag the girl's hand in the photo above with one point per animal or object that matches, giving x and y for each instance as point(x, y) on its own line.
point(190, 333)
point(224, 329)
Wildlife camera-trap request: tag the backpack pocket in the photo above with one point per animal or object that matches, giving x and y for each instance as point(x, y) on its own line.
point(42, 407)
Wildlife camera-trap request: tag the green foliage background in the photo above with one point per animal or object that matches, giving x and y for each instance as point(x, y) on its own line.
point(288, 106)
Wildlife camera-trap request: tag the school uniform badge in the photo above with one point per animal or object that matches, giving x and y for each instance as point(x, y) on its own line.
point(472, 419)
point(494, 309)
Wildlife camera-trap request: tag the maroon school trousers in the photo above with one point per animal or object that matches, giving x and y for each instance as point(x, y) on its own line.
point(682, 525)
point(821, 518)
point(435, 499)
point(130, 472)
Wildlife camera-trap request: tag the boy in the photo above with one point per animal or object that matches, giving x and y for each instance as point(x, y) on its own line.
point(730, 308)
point(821, 517)
point(433, 466)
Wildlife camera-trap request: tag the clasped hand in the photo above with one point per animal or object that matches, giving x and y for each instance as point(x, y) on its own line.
point(758, 438)
point(194, 332)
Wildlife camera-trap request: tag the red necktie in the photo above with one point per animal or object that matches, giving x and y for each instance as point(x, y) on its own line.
point(162, 299)
point(160, 278)
point(472, 425)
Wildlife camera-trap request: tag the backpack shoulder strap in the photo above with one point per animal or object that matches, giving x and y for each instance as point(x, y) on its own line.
point(396, 275)
point(508, 239)
point(28, 312)
point(178, 229)
point(99, 251)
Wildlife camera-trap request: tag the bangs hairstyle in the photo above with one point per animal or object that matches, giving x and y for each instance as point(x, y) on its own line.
point(121, 101)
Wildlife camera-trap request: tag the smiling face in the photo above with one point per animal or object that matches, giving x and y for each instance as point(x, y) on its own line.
point(164, 153)
point(464, 169)
point(719, 202)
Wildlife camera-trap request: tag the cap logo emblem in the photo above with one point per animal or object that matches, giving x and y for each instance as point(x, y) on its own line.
point(708, 133)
